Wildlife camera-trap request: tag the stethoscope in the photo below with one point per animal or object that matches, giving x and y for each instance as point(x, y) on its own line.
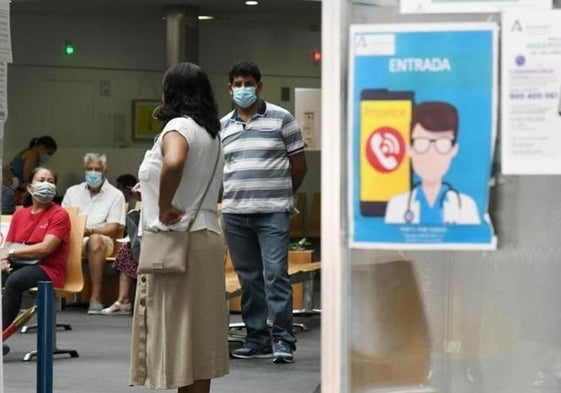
point(409, 216)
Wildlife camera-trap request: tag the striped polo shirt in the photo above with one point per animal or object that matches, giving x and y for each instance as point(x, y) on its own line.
point(257, 176)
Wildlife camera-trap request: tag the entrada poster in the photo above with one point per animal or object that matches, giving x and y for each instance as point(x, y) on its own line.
point(422, 121)
point(463, 6)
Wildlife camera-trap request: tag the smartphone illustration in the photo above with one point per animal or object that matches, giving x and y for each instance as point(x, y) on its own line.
point(385, 171)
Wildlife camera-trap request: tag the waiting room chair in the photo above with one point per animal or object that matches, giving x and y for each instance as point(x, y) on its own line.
point(299, 273)
point(233, 290)
point(74, 276)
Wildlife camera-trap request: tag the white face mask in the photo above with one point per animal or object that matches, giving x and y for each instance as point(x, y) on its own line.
point(43, 192)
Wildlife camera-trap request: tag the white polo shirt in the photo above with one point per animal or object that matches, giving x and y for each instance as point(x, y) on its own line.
point(105, 207)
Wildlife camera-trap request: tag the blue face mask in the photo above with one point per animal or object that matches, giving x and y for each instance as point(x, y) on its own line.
point(244, 97)
point(94, 179)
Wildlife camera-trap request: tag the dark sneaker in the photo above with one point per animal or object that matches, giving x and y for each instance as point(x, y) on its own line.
point(251, 351)
point(283, 352)
point(5, 349)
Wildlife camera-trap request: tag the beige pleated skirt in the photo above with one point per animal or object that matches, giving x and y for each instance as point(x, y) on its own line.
point(180, 321)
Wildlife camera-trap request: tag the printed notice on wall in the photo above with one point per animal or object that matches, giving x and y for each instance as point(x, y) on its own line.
point(531, 93)
point(307, 110)
point(422, 123)
point(5, 36)
point(453, 6)
point(3, 92)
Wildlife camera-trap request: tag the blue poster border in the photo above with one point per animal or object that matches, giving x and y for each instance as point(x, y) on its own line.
point(430, 62)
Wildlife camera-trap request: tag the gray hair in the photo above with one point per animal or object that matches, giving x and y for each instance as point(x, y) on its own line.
point(96, 157)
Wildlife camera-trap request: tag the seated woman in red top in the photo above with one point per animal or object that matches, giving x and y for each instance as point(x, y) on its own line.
point(44, 227)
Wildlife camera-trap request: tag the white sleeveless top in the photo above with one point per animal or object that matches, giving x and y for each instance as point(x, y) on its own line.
point(197, 170)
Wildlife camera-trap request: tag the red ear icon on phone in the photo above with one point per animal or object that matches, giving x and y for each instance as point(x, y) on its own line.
point(385, 149)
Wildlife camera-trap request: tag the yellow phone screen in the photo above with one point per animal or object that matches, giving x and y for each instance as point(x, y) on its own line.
point(385, 171)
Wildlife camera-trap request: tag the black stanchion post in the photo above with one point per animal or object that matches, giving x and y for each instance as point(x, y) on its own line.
point(45, 337)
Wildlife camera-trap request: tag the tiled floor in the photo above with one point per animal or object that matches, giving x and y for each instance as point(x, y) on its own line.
point(103, 346)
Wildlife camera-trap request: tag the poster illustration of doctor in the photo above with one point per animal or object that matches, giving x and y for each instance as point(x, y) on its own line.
point(422, 128)
point(433, 146)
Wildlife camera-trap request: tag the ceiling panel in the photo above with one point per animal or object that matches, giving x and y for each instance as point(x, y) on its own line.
point(268, 12)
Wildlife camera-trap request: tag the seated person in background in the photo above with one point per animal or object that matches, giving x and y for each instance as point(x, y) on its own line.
point(125, 183)
point(104, 206)
point(8, 200)
point(126, 263)
point(36, 154)
point(8, 193)
point(44, 227)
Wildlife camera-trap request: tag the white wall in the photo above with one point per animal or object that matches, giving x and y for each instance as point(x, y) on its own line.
point(50, 93)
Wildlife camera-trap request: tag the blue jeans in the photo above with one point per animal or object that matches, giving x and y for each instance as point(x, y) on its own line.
point(258, 246)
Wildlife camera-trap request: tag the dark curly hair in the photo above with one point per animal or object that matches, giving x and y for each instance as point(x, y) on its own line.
point(45, 140)
point(245, 68)
point(187, 92)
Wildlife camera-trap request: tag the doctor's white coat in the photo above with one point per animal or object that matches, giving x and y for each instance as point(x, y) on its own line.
point(458, 209)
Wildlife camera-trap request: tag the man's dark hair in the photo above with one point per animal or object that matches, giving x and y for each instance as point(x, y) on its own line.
point(245, 68)
point(436, 116)
point(126, 180)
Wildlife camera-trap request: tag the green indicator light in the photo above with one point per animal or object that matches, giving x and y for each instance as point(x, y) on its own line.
point(68, 49)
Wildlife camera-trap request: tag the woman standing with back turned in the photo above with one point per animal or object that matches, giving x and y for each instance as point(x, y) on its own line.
point(180, 325)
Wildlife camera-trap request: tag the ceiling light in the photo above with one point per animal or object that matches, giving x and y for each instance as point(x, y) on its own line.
point(251, 2)
point(206, 17)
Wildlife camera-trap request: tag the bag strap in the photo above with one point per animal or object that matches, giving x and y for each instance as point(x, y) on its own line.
point(207, 186)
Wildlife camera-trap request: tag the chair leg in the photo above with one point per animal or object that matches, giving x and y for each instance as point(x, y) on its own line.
point(236, 325)
point(32, 354)
point(56, 351)
point(241, 325)
point(308, 309)
point(65, 326)
point(300, 326)
point(28, 328)
point(236, 339)
point(233, 337)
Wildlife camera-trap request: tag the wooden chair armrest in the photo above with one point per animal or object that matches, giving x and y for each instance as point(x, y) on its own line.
point(233, 287)
point(303, 267)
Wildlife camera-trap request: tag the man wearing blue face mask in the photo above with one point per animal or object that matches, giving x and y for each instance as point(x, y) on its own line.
point(104, 206)
point(265, 164)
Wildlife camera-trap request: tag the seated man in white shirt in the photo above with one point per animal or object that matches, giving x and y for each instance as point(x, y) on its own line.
point(104, 206)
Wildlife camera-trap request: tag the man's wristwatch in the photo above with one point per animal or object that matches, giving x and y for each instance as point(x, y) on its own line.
point(12, 254)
